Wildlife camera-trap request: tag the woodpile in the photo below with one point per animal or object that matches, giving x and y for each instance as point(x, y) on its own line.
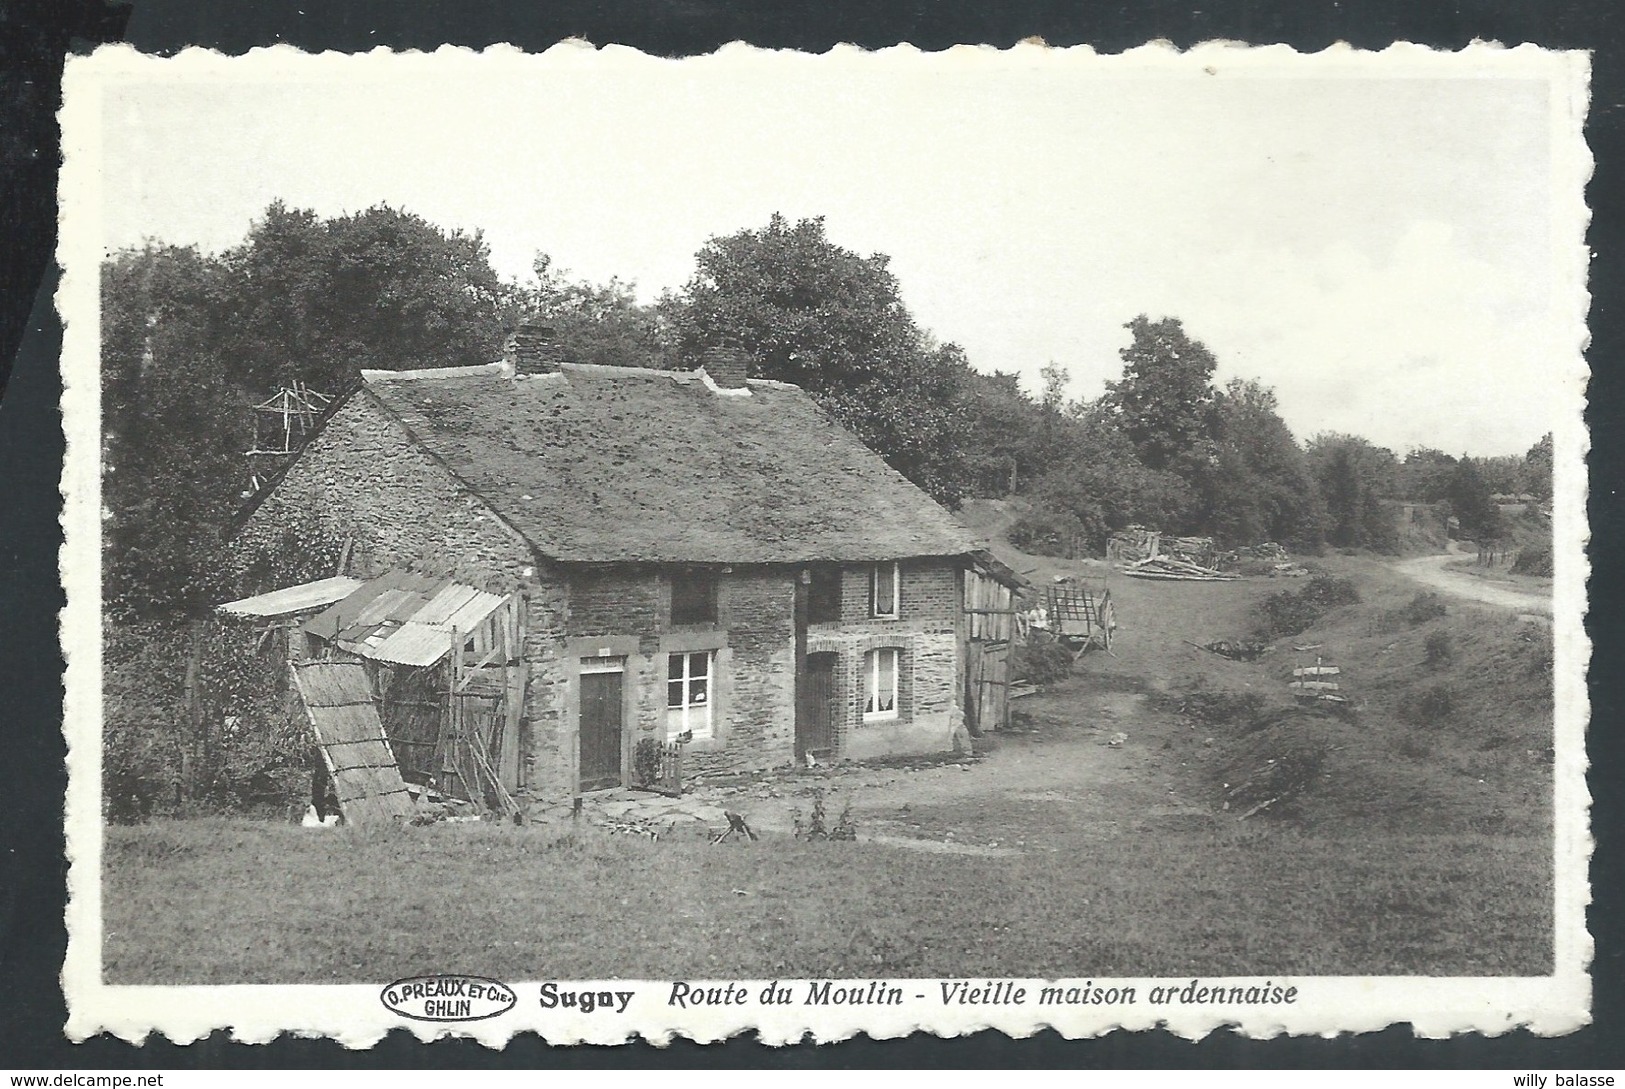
point(1146, 554)
point(1170, 569)
point(1137, 544)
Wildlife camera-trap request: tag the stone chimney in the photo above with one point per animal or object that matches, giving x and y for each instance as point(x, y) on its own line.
point(726, 367)
point(533, 348)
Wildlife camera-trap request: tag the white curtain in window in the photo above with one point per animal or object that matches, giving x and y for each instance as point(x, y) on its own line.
point(885, 589)
point(688, 693)
point(880, 682)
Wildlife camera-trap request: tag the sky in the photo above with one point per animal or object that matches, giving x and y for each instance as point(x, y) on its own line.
point(1381, 246)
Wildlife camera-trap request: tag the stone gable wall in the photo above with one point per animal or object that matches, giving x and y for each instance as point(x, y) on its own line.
point(363, 479)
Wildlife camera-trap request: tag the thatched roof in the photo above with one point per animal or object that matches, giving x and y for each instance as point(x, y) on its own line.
point(618, 464)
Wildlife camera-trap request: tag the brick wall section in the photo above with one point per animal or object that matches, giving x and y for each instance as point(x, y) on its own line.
point(927, 633)
point(363, 478)
point(928, 597)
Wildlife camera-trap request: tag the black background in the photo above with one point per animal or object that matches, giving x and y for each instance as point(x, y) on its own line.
point(35, 35)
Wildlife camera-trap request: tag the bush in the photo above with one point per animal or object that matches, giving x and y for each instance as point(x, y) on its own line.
point(1328, 592)
point(1040, 663)
point(1284, 613)
point(1535, 559)
point(646, 761)
point(1439, 650)
point(1049, 534)
point(1289, 613)
point(1424, 606)
point(1217, 707)
point(144, 718)
point(1275, 766)
point(238, 748)
point(1431, 705)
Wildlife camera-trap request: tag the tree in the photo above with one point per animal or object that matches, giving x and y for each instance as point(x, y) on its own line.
point(1469, 496)
point(832, 322)
point(913, 417)
point(1537, 469)
point(1165, 397)
point(1096, 481)
point(1426, 473)
point(1259, 487)
point(1503, 474)
point(1056, 379)
point(598, 323)
point(1354, 477)
point(1000, 455)
point(319, 300)
point(172, 440)
point(808, 311)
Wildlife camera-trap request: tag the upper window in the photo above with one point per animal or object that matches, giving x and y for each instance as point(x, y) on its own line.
point(694, 598)
point(824, 595)
point(883, 591)
point(688, 693)
point(880, 684)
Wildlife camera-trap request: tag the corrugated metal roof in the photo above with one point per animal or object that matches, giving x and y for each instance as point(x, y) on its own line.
point(419, 642)
point(389, 605)
point(343, 613)
point(457, 608)
point(445, 602)
point(405, 619)
point(291, 600)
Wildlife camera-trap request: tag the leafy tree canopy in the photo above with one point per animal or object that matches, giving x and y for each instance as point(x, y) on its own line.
point(319, 299)
point(1259, 486)
point(807, 310)
point(1537, 469)
point(1355, 475)
point(1469, 497)
point(1165, 397)
point(810, 312)
point(598, 323)
point(1425, 474)
point(171, 423)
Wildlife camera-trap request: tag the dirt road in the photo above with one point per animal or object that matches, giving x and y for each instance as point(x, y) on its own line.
point(1433, 572)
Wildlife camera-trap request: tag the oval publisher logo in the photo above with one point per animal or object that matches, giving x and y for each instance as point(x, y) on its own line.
point(448, 998)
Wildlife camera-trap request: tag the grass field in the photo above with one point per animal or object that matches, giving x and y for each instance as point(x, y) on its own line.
point(1424, 846)
point(220, 902)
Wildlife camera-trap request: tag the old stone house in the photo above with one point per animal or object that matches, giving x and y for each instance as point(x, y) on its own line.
point(693, 555)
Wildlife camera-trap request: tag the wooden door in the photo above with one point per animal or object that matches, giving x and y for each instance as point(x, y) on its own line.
point(987, 686)
point(815, 706)
point(973, 687)
point(600, 730)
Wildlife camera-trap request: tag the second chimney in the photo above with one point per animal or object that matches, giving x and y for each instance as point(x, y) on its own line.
point(533, 348)
point(727, 367)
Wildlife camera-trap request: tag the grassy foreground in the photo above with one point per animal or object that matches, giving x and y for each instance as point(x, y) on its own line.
point(232, 902)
